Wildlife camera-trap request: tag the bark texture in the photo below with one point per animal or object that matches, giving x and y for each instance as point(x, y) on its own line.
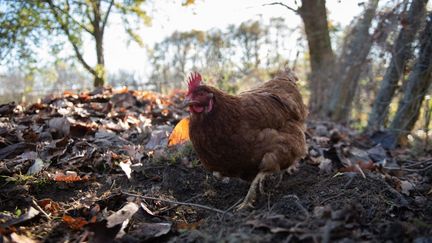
point(402, 52)
point(322, 60)
point(417, 85)
point(356, 48)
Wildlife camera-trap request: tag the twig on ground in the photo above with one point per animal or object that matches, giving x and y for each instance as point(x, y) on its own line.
point(417, 170)
point(40, 209)
point(357, 166)
point(175, 202)
point(172, 207)
point(408, 169)
point(410, 163)
point(231, 207)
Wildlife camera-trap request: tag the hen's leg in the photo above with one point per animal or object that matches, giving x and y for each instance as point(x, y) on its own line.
point(293, 168)
point(251, 195)
point(268, 165)
point(290, 170)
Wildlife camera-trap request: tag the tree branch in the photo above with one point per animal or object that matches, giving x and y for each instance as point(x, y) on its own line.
point(69, 36)
point(69, 16)
point(105, 20)
point(284, 5)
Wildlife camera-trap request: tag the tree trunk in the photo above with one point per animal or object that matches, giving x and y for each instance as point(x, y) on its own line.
point(98, 27)
point(314, 16)
point(401, 54)
point(418, 83)
point(99, 78)
point(349, 66)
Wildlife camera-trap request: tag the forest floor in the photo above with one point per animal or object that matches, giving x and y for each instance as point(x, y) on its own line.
point(95, 167)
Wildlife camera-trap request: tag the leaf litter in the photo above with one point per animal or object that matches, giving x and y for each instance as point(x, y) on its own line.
point(116, 165)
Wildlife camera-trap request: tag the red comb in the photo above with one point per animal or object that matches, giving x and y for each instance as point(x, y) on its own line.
point(194, 80)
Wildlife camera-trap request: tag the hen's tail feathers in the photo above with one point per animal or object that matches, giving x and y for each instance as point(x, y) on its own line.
point(287, 73)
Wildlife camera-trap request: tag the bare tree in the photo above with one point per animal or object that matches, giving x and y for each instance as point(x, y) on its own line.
point(322, 59)
point(357, 45)
point(402, 51)
point(417, 84)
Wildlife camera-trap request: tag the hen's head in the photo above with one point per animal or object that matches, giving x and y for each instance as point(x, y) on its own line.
point(199, 97)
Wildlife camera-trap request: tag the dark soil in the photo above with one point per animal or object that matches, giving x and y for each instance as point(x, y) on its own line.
point(306, 206)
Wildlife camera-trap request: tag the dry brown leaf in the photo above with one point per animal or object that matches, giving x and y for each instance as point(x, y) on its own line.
point(369, 165)
point(180, 134)
point(61, 125)
point(60, 177)
point(68, 93)
point(84, 96)
point(74, 223)
point(189, 226)
point(122, 90)
point(188, 2)
point(49, 205)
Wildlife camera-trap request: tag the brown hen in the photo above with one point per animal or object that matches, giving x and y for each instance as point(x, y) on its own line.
point(258, 132)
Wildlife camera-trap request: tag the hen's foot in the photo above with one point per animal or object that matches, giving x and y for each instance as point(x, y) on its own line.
point(244, 205)
point(290, 170)
point(220, 177)
point(251, 195)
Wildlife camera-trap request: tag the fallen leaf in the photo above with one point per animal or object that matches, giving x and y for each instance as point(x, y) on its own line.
point(68, 177)
point(21, 238)
point(123, 100)
point(102, 234)
point(74, 223)
point(146, 209)
point(69, 93)
point(359, 166)
point(60, 125)
point(377, 153)
point(188, 2)
point(325, 165)
point(122, 217)
point(7, 109)
point(148, 231)
point(15, 149)
point(37, 167)
point(49, 205)
point(123, 214)
point(126, 167)
point(189, 226)
point(31, 213)
point(180, 134)
point(406, 187)
point(158, 138)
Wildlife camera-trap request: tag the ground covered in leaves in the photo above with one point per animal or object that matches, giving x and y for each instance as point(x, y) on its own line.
point(95, 167)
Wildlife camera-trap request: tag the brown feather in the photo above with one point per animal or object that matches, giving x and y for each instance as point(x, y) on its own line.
point(261, 130)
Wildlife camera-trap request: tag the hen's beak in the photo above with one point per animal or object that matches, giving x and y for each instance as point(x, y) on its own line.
point(188, 101)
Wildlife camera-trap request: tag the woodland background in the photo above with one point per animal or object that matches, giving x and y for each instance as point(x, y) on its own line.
point(373, 75)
